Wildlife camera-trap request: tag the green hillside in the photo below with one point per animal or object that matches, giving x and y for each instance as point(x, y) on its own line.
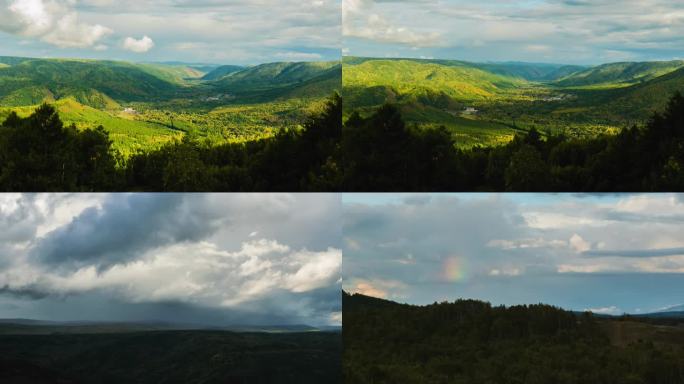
point(63, 78)
point(487, 103)
point(267, 76)
point(222, 71)
point(620, 74)
point(531, 71)
point(421, 79)
point(651, 96)
point(146, 105)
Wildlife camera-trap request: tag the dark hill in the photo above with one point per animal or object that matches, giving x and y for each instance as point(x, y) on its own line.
point(469, 341)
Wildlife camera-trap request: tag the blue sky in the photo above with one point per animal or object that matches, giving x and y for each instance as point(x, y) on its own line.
point(220, 259)
point(207, 31)
point(606, 253)
point(556, 31)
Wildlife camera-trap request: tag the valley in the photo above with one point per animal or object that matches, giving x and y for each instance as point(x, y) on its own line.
point(146, 105)
point(487, 104)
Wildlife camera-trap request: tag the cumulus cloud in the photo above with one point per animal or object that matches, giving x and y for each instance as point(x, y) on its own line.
point(53, 21)
point(221, 32)
point(548, 30)
point(195, 250)
point(360, 21)
point(138, 46)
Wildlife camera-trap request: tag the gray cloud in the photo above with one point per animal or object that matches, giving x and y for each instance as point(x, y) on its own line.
point(124, 228)
point(585, 32)
point(239, 32)
point(239, 258)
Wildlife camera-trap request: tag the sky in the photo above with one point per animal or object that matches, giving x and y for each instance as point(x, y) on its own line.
point(610, 254)
point(584, 32)
point(205, 31)
point(213, 259)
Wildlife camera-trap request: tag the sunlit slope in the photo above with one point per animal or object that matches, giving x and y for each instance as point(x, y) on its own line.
point(652, 96)
point(274, 75)
point(27, 81)
point(423, 79)
point(222, 71)
point(620, 74)
point(128, 134)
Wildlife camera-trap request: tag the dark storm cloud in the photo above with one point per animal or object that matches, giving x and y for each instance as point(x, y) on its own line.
point(25, 292)
point(125, 228)
point(217, 258)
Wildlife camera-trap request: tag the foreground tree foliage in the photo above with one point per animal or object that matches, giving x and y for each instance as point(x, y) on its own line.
point(376, 153)
point(471, 342)
point(382, 154)
point(38, 153)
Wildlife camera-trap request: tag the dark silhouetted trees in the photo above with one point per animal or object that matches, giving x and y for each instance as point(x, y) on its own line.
point(469, 341)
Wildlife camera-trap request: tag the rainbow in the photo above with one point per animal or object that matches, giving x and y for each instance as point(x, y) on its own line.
point(453, 269)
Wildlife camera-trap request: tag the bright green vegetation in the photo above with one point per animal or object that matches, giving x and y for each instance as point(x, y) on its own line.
point(39, 153)
point(144, 106)
point(191, 357)
point(620, 74)
point(383, 152)
point(222, 71)
point(473, 342)
point(485, 104)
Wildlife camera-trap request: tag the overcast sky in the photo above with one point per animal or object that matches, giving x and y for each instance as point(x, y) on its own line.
point(609, 254)
point(559, 31)
point(215, 259)
point(213, 31)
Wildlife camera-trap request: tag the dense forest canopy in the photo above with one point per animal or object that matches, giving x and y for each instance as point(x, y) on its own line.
point(469, 341)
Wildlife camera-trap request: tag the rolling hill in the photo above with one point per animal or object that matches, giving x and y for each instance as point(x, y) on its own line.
point(146, 105)
point(418, 79)
point(95, 83)
point(620, 74)
point(470, 341)
point(275, 75)
point(222, 71)
point(487, 103)
point(645, 98)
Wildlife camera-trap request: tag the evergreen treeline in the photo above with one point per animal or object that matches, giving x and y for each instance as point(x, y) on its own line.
point(472, 342)
point(39, 153)
point(382, 153)
point(377, 153)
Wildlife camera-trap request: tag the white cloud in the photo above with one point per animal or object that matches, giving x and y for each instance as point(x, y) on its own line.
point(194, 273)
point(612, 310)
point(579, 244)
point(359, 21)
point(53, 21)
point(138, 46)
point(380, 288)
